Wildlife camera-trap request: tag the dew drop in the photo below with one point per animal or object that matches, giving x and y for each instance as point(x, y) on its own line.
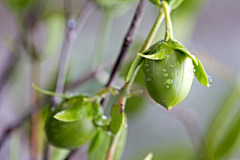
point(164, 70)
point(194, 70)
point(167, 86)
point(169, 81)
point(209, 81)
point(165, 75)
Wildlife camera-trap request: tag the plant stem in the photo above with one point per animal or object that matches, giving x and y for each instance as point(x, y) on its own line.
point(103, 37)
point(169, 28)
point(126, 88)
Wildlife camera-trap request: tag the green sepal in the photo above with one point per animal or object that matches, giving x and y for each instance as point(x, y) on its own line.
point(117, 114)
point(174, 44)
point(78, 110)
point(97, 110)
point(138, 60)
point(201, 74)
point(158, 52)
point(102, 121)
point(99, 145)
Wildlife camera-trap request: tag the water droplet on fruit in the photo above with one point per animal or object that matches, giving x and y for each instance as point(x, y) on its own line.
point(169, 81)
point(164, 70)
point(165, 75)
point(167, 86)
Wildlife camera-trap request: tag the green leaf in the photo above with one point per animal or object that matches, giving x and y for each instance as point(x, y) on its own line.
point(99, 146)
point(158, 53)
point(173, 4)
point(19, 5)
point(117, 118)
point(201, 74)
point(174, 44)
point(56, 27)
point(149, 156)
point(231, 139)
point(121, 141)
point(97, 110)
point(78, 110)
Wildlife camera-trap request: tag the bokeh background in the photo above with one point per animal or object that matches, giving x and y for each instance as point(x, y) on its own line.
point(208, 28)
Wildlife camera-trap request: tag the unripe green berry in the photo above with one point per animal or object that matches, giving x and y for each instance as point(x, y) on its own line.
point(69, 135)
point(169, 80)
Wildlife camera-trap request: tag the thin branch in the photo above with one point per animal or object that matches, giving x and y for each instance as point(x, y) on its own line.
point(73, 30)
point(126, 44)
point(128, 40)
point(90, 75)
point(11, 62)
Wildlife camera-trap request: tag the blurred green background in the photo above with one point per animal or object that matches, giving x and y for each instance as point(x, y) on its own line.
point(208, 28)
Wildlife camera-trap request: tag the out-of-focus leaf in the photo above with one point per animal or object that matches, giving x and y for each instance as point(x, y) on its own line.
point(121, 141)
point(175, 151)
point(174, 3)
point(56, 27)
point(99, 146)
point(149, 156)
point(231, 139)
point(223, 126)
point(78, 111)
point(19, 5)
point(117, 114)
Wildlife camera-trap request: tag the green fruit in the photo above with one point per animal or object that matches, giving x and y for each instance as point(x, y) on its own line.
point(69, 135)
point(169, 80)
